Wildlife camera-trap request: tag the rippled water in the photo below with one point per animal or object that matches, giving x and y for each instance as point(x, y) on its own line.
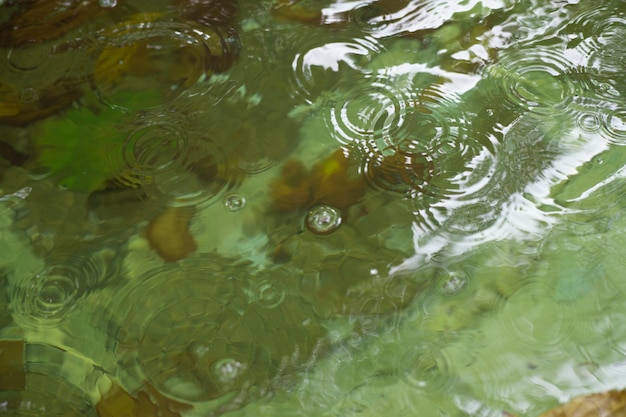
point(301, 208)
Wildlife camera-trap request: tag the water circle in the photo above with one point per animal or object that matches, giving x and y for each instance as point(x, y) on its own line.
point(605, 45)
point(323, 219)
point(29, 57)
point(407, 170)
point(613, 125)
point(429, 371)
point(55, 291)
point(453, 282)
point(535, 81)
point(192, 332)
point(268, 294)
point(145, 62)
point(198, 357)
point(369, 111)
point(172, 165)
point(153, 148)
point(589, 121)
point(370, 18)
point(315, 67)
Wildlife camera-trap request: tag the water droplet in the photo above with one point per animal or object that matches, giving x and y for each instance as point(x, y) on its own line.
point(453, 283)
point(323, 219)
point(28, 95)
point(228, 370)
point(235, 202)
point(589, 121)
point(268, 294)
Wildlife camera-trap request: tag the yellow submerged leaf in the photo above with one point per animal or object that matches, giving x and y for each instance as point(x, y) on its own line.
point(115, 59)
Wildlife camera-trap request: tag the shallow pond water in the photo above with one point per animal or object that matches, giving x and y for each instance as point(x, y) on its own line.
point(310, 208)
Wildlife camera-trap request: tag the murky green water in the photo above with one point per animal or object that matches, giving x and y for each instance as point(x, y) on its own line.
point(333, 208)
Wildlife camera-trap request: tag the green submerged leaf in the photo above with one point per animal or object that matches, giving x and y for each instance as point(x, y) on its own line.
point(83, 148)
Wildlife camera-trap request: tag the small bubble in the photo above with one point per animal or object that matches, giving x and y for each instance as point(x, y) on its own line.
point(28, 95)
point(228, 370)
point(108, 3)
point(235, 202)
point(323, 220)
point(268, 295)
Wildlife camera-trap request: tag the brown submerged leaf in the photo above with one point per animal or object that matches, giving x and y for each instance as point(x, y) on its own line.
point(45, 20)
point(169, 234)
point(12, 373)
point(333, 181)
point(147, 402)
point(604, 404)
point(336, 181)
point(51, 100)
point(219, 17)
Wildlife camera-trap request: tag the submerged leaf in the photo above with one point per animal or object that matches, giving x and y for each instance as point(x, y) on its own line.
point(603, 404)
point(83, 148)
point(12, 374)
point(334, 181)
point(607, 404)
point(147, 402)
point(43, 21)
point(169, 234)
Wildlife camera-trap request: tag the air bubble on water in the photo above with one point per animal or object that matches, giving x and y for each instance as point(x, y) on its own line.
point(228, 370)
point(108, 3)
point(454, 283)
point(234, 202)
point(323, 219)
point(28, 95)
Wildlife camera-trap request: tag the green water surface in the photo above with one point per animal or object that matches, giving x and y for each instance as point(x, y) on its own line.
point(397, 208)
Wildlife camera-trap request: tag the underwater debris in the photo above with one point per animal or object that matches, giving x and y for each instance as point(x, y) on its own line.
point(51, 100)
point(44, 20)
point(608, 404)
point(12, 373)
point(168, 233)
point(146, 402)
point(333, 181)
point(38, 22)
